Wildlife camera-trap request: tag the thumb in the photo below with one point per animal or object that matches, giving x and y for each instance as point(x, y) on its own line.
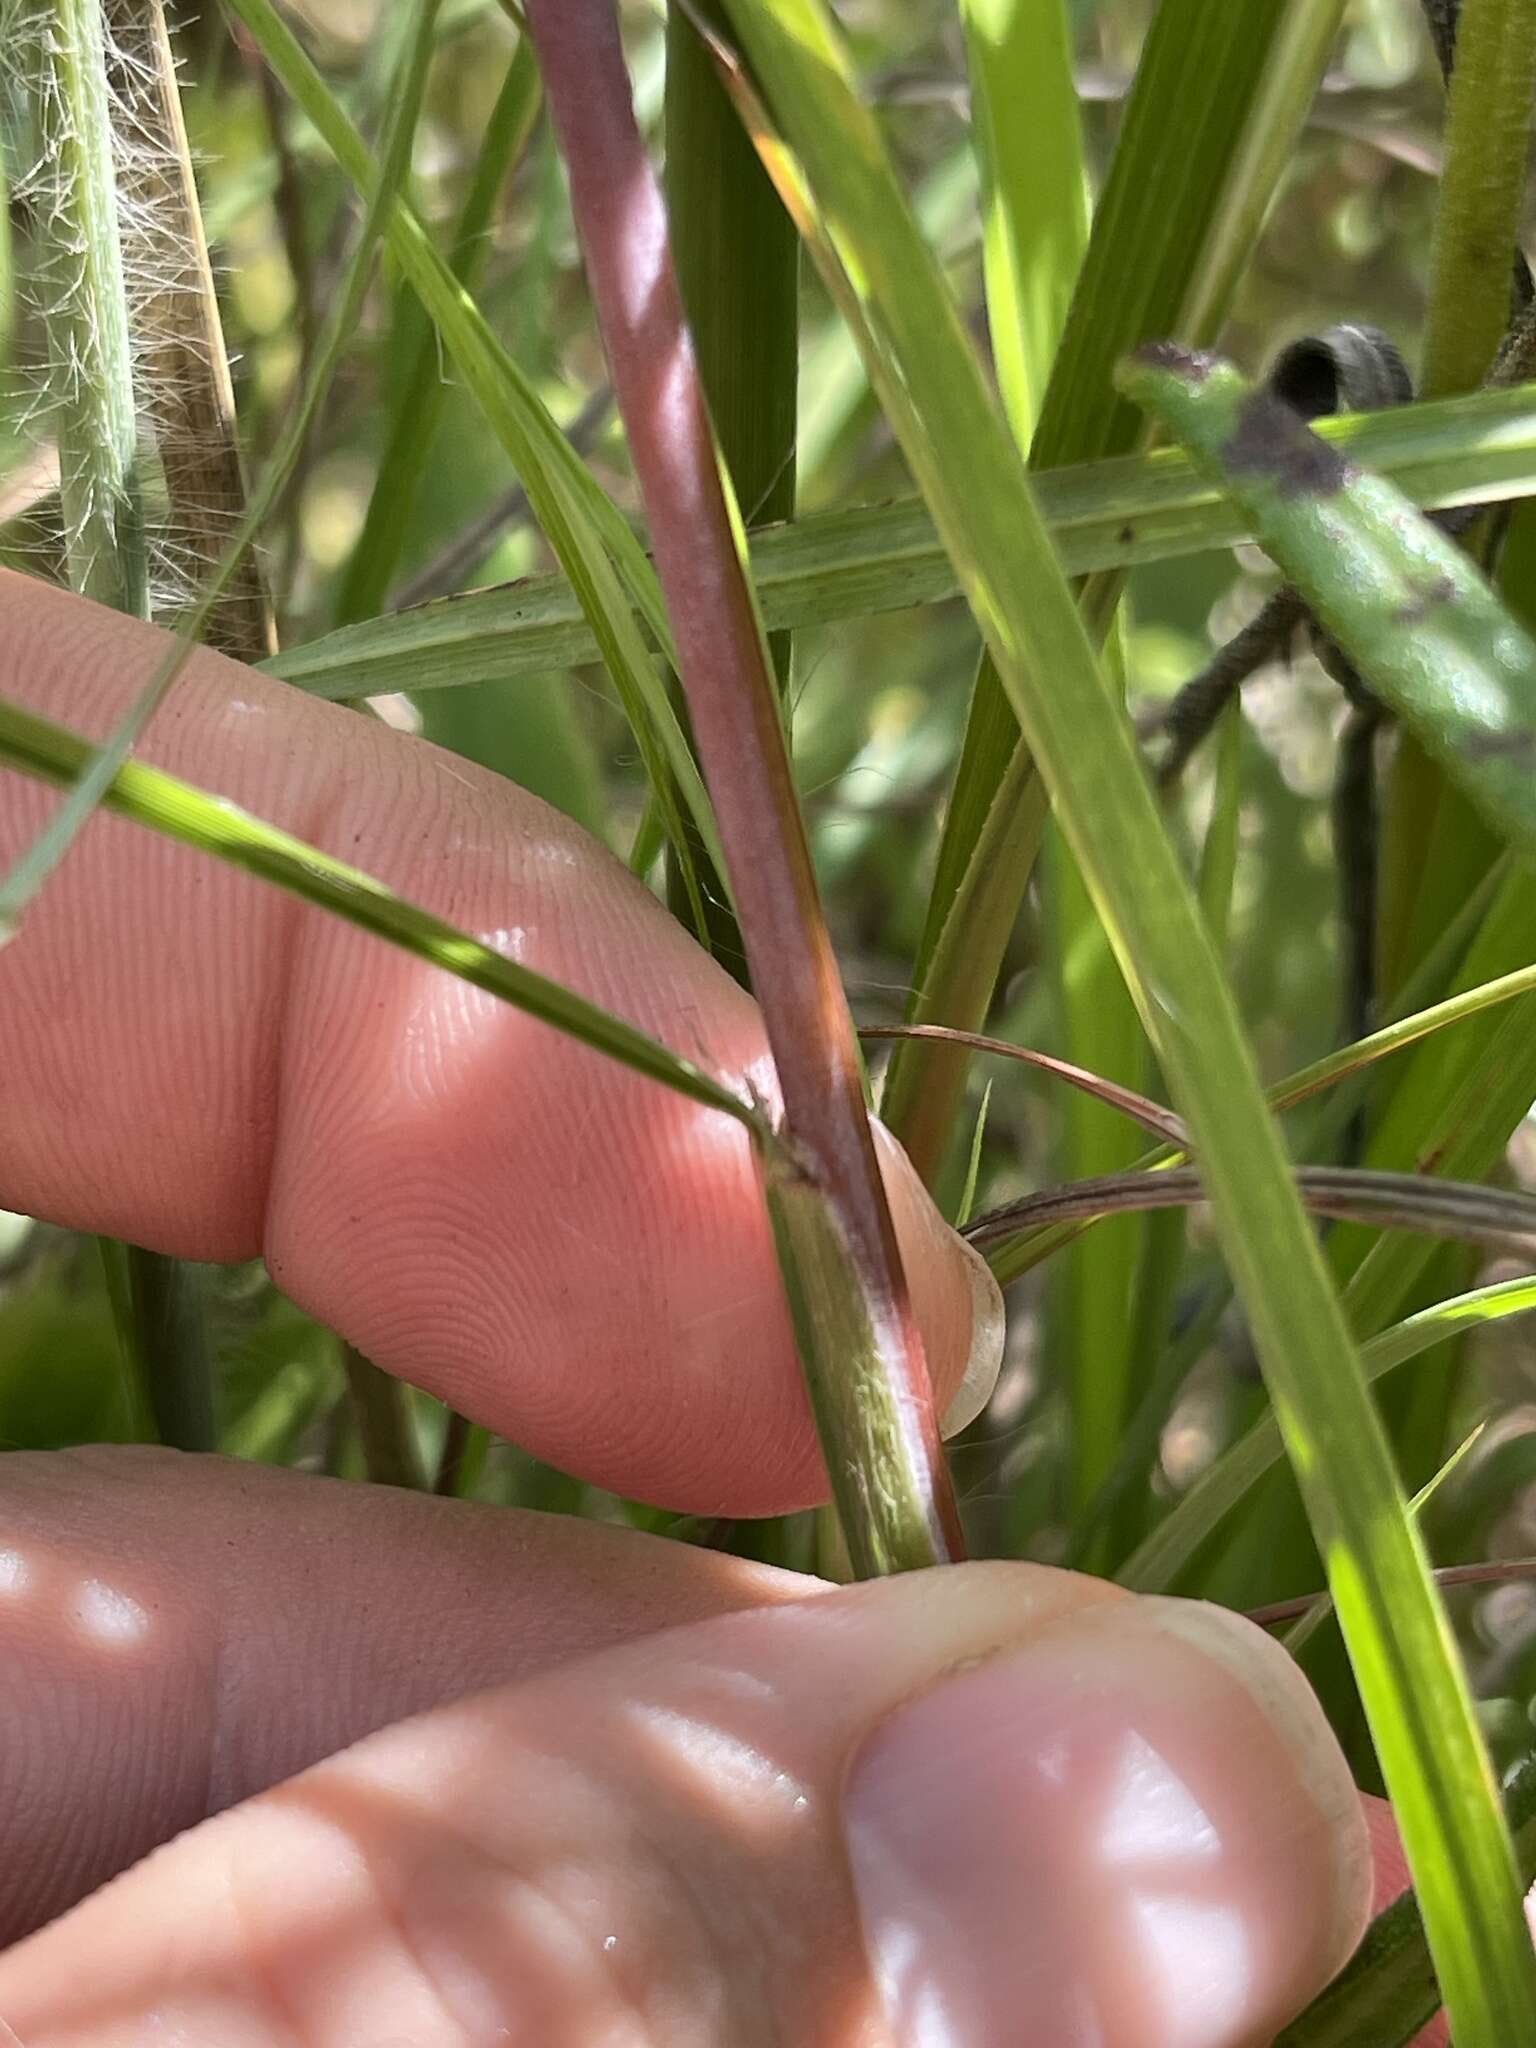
point(990, 1804)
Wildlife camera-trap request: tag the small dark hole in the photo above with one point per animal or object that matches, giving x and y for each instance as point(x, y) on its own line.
point(1306, 377)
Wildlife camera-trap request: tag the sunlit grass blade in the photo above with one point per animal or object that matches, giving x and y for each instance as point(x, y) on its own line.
point(1461, 1096)
point(214, 826)
point(864, 559)
point(1487, 1572)
point(1175, 228)
point(1156, 1566)
point(1172, 233)
point(967, 1201)
point(835, 395)
point(1035, 234)
point(603, 559)
point(1122, 1499)
point(1027, 135)
point(1397, 1037)
point(418, 408)
point(1306, 1625)
point(1476, 1110)
point(973, 478)
point(1418, 621)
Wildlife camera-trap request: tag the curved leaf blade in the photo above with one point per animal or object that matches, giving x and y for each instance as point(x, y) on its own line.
point(1156, 1565)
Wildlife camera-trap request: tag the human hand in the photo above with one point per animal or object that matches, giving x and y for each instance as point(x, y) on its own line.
point(647, 1793)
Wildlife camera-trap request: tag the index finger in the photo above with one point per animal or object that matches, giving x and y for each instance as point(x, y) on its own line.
point(200, 1064)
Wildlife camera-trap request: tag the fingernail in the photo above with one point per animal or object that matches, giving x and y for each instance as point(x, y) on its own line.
point(1137, 1832)
point(985, 1360)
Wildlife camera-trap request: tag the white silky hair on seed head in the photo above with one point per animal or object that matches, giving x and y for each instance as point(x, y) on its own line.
point(159, 262)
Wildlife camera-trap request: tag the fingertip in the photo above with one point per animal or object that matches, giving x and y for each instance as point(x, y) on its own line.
point(1132, 1826)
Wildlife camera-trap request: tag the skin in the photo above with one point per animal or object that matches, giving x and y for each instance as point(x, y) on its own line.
point(441, 1774)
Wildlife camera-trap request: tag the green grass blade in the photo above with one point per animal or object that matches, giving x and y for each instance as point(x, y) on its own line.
point(1459, 1098)
point(593, 543)
point(1115, 1505)
point(967, 1200)
point(166, 804)
point(1218, 855)
point(834, 389)
point(1482, 189)
point(1121, 1502)
point(1306, 1625)
point(975, 483)
point(381, 1408)
point(955, 979)
point(1419, 622)
point(1175, 228)
point(1091, 1330)
point(1156, 1566)
point(371, 570)
point(1035, 229)
point(1026, 132)
point(1432, 851)
point(853, 562)
point(918, 1113)
point(158, 1307)
point(1406, 1031)
point(1172, 233)
point(738, 265)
